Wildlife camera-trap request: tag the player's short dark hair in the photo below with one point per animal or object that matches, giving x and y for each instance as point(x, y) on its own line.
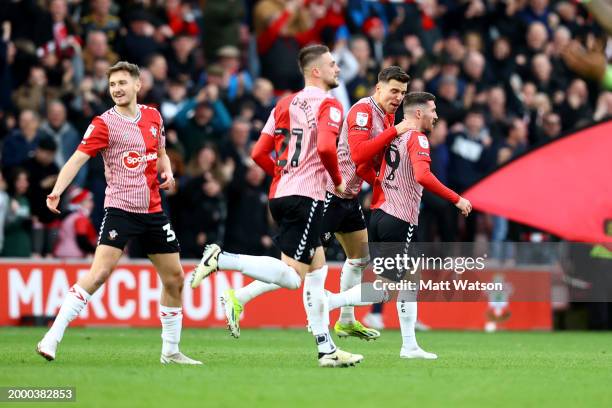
point(393, 72)
point(308, 54)
point(418, 98)
point(131, 69)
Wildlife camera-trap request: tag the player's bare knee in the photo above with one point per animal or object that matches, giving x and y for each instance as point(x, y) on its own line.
point(173, 281)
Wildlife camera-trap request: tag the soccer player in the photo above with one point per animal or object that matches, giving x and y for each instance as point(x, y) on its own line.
point(302, 130)
point(131, 139)
point(403, 174)
point(368, 124)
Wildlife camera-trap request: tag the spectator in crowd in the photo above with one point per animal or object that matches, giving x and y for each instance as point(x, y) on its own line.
point(96, 48)
point(35, 93)
point(139, 43)
point(182, 64)
point(264, 101)
point(77, 236)
point(174, 100)
point(248, 229)
point(204, 210)
point(575, 110)
point(158, 67)
point(437, 215)
point(281, 28)
point(20, 144)
point(202, 119)
point(101, 19)
point(471, 157)
point(514, 145)
point(43, 173)
point(64, 135)
point(237, 82)
point(449, 106)
point(551, 127)
point(361, 85)
point(223, 25)
point(498, 114)
point(237, 147)
point(17, 230)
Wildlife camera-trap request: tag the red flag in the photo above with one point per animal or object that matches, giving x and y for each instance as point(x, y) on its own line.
point(563, 187)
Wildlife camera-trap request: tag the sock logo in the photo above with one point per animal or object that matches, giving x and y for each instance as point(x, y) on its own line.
point(321, 339)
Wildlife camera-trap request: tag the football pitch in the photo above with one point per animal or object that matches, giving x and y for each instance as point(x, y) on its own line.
point(119, 367)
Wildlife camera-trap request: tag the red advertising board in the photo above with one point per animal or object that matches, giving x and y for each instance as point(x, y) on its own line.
point(130, 297)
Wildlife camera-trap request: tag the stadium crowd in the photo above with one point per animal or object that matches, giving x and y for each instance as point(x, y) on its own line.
point(215, 68)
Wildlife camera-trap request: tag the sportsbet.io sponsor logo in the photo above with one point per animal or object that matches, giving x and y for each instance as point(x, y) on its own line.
point(131, 160)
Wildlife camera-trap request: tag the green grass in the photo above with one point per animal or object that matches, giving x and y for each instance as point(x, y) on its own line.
point(119, 367)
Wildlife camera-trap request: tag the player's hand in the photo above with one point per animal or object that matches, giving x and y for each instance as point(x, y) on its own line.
point(402, 127)
point(168, 181)
point(52, 203)
point(464, 206)
point(340, 188)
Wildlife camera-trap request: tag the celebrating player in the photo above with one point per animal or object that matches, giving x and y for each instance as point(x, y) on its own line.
point(131, 140)
point(397, 195)
point(368, 123)
point(302, 130)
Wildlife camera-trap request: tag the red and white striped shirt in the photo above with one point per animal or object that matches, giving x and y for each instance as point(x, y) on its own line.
point(364, 119)
point(396, 190)
point(129, 149)
point(302, 130)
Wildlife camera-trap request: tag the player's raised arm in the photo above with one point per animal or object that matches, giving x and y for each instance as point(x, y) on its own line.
point(329, 124)
point(265, 145)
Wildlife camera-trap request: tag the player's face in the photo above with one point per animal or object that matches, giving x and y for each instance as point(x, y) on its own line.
point(329, 71)
point(429, 117)
point(123, 88)
point(391, 94)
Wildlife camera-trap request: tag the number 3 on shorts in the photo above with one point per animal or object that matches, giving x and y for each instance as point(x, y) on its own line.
point(171, 236)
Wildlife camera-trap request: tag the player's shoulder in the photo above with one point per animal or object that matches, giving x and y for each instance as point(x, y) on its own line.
point(363, 105)
point(417, 137)
point(149, 112)
point(283, 103)
point(103, 118)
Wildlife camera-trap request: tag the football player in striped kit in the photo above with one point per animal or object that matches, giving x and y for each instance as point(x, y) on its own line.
point(368, 124)
point(131, 139)
point(302, 130)
point(398, 187)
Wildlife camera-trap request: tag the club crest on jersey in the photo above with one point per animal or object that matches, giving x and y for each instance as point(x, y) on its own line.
point(362, 119)
point(90, 129)
point(153, 131)
point(131, 159)
point(334, 114)
point(423, 142)
point(112, 235)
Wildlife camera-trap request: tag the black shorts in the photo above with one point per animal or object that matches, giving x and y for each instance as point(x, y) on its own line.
point(398, 233)
point(154, 231)
point(340, 215)
point(299, 223)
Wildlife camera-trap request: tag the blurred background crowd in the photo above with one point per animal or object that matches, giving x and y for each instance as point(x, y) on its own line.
point(504, 72)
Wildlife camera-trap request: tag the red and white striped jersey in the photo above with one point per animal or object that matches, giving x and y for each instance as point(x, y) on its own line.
point(365, 115)
point(296, 124)
point(396, 190)
point(129, 149)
